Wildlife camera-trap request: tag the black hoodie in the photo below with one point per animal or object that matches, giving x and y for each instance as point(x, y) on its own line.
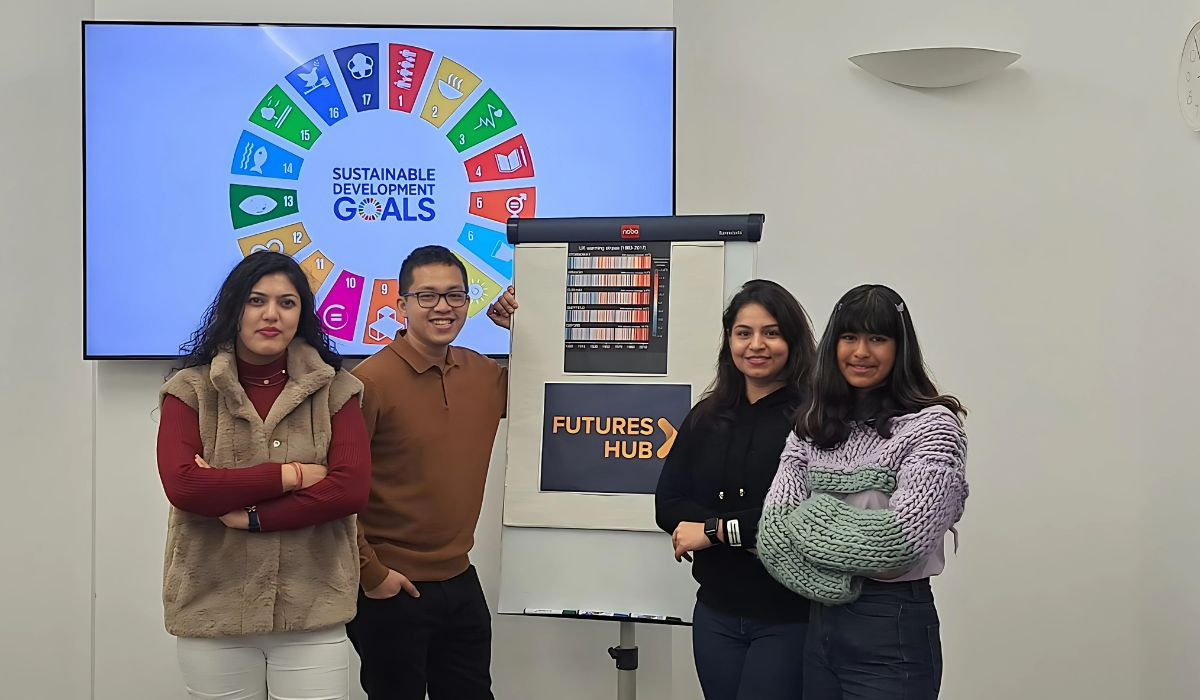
point(721, 465)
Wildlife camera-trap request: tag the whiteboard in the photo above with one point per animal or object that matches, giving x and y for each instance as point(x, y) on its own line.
point(567, 551)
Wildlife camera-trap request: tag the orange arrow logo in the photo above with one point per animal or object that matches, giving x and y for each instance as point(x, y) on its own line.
point(670, 432)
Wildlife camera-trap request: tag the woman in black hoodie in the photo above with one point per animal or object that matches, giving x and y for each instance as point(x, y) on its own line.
point(748, 630)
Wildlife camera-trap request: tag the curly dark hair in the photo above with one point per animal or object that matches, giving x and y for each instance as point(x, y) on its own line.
point(219, 328)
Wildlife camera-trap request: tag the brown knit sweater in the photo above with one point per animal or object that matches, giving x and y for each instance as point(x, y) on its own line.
point(431, 442)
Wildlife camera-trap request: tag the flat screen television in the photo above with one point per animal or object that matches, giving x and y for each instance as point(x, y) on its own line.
point(347, 147)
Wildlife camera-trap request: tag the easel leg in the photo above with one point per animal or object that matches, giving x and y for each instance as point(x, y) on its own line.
point(626, 656)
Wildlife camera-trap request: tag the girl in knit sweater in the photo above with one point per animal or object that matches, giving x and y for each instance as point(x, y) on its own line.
point(868, 485)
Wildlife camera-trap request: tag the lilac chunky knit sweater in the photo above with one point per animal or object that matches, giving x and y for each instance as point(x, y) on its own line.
point(819, 546)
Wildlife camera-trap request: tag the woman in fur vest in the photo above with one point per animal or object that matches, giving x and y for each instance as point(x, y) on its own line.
point(264, 456)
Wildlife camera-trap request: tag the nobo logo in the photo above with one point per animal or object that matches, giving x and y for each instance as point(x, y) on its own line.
point(631, 231)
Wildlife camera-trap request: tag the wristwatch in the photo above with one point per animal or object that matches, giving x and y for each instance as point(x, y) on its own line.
point(710, 530)
point(252, 511)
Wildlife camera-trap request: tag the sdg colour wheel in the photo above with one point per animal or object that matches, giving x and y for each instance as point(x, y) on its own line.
point(302, 113)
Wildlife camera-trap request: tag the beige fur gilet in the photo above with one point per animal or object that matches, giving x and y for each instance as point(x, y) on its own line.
point(222, 582)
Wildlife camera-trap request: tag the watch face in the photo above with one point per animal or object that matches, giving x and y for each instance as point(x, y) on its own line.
point(1189, 79)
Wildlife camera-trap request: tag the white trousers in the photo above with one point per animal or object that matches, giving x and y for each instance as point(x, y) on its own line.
point(289, 666)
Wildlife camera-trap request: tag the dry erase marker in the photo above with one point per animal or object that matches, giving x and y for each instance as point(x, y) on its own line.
point(542, 611)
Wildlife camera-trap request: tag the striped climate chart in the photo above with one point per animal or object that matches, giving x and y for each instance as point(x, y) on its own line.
point(616, 308)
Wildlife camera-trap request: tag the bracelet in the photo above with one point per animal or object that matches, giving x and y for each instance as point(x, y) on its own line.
point(299, 475)
point(733, 533)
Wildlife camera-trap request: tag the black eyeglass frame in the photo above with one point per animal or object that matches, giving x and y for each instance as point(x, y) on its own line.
point(466, 298)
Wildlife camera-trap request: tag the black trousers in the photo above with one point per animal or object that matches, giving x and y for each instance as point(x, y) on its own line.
point(440, 643)
point(884, 646)
point(741, 658)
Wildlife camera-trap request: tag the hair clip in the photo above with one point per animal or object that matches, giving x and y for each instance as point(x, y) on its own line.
point(900, 307)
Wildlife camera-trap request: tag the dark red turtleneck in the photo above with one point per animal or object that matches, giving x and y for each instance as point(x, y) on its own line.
point(215, 492)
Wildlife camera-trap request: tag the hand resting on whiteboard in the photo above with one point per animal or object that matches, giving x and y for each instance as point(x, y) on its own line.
point(690, 537)
point(502, 311)
point(392, 585)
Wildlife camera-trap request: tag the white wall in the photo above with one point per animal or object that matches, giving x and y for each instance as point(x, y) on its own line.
point(46, 389)
point(1039, 224)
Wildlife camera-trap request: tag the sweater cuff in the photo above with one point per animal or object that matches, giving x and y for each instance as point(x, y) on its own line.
point(825, 586)
point(802, 576)
point(373, 573)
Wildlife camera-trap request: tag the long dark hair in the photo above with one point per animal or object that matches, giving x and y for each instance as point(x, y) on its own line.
point(834, 405)
point(219, 328)
point(730, 385)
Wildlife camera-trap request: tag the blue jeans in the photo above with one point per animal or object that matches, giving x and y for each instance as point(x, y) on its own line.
point(884, 646)
point(740, 658)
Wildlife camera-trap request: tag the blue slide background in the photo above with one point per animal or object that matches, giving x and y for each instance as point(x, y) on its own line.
point(166, 106)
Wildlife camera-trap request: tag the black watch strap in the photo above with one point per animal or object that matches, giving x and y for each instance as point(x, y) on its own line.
point(710, 530)
point(255, 526)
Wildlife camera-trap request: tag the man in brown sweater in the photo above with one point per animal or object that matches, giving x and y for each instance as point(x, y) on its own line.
point(431, 411)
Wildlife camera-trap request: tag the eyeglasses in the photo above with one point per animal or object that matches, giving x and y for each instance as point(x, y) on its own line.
point(428, 300)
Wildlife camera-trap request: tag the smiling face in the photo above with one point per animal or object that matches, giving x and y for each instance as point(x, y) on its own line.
point(756, 345)
point(865, 359)
point(270, 316)
point(433, 329)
